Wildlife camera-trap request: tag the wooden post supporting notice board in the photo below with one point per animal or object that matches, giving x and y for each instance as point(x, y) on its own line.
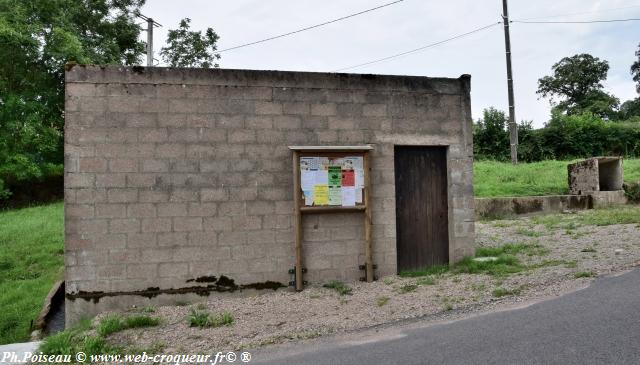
point(331, 179)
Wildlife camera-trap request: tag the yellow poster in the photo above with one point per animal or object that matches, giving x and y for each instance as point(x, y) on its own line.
point(321, 195)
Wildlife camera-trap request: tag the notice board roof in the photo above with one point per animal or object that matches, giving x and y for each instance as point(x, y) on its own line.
point(330, 148)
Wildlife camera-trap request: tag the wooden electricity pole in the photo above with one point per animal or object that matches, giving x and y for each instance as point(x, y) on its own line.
point(513, 127)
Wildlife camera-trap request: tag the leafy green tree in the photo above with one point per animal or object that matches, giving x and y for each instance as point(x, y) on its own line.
point(186, 48)
point(576, 86)
point(630, 109)
point(37, 39)
point(635, 70)
point(490, 135)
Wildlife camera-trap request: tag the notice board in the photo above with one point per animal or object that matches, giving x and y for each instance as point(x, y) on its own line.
point(330, 179)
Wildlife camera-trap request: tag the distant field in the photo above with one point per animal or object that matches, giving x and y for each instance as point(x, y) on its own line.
point(539, 178)
point(31, 260)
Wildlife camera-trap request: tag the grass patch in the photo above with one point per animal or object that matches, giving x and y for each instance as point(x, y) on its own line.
point(407, 288)
point(528, 232)
point(31, 261)
point(204, 319)
point(148, 309)
point(547, 263)
point(502, 292)
point(381, 301)
point(629, 214)
point(115, 323)
point(529, 249)
point(75, 340)
point(588, 249)
point(339, 286)
point(427, 271)
point(493, 179)
point(584, 274)
point(503, 266)
point(427, 280)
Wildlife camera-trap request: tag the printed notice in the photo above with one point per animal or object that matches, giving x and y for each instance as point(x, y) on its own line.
point(309, 163)
point(335, 195)
point(348, 196)
point(353, 163)
point(335, 176)
point(321, 195)
point(358, 195)
point(359, 178)
point(322, 177)
point(308, 198)
point(307, 179)
point(348, 178)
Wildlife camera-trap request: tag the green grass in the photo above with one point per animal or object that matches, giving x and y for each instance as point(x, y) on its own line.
point(115, 323)
point(31, 261)
point(407, 288)
point(529, 249)
point(204, 319)
point(339, 286)
point(493, 179)
point(381, 301)
point(584, 274)
point(75, 340)
point(502, 292)
point(504, 265)
point(629, 214)
point(427, 280)
point(427, 271)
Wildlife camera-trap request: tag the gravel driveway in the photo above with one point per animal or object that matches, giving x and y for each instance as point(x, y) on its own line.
point(566, 255)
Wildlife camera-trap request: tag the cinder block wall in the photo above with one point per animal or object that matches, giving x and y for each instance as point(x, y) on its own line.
point(177, 174)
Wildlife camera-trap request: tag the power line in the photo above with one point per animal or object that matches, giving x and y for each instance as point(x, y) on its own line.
point(420, 48)
point(582, 13)
point(577, 22)
point(310, 27)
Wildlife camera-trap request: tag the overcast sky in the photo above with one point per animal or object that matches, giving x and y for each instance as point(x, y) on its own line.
point(414, 23)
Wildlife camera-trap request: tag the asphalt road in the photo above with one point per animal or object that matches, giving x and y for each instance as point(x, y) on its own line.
point(596, 325)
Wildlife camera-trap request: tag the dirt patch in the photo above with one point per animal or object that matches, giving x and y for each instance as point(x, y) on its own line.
point(562, 254)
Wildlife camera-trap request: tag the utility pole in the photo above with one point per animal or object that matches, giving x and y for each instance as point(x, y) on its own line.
point(150, 24)
point(513, 127)
point(149, 42)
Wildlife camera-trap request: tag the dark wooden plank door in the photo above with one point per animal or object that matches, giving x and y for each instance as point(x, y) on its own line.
point(422, 223)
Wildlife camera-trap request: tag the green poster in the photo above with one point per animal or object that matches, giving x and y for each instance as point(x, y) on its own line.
point(335, 176)
point(335, 195)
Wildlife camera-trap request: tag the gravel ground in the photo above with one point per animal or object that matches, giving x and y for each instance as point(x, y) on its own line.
point(277, 317)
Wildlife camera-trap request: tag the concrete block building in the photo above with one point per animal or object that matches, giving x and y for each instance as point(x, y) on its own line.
point(178, 182)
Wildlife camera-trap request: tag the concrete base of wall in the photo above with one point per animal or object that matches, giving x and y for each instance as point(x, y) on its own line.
point(79, 308)
point(515, 206)
point(603, 199)
point(487, 208)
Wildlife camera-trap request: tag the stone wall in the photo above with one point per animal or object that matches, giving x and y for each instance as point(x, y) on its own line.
point(176, 177)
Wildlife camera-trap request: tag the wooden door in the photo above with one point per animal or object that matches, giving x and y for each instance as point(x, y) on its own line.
point(422, 223)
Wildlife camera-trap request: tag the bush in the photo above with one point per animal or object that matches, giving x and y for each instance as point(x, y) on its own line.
point(632, 191)
point(563, 137)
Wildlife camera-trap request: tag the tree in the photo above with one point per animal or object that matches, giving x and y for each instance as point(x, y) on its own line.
point(635, 70)
point(188, 48)
point(577, 82)
point(630, 109)
point(490, 135)
point(37, 39)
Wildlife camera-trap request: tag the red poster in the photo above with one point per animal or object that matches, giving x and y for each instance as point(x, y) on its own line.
point(348, 178)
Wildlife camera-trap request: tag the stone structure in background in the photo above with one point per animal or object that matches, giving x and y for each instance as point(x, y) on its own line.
point(599, 177)
point(178, 182)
